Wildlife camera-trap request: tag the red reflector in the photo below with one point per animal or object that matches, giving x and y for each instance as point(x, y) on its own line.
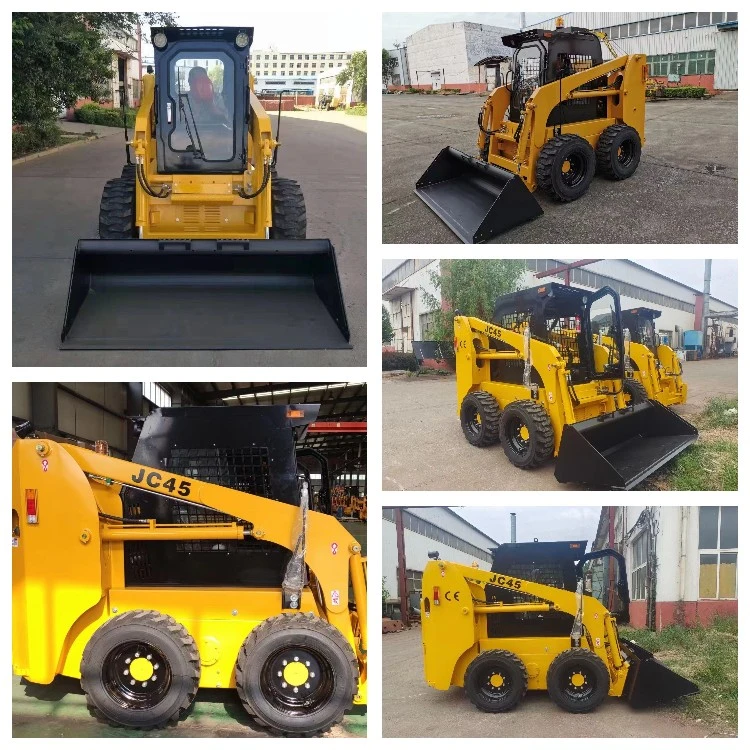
point(436, 594)
point(31, 507)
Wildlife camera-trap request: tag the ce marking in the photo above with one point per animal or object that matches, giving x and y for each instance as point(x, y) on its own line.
point(448, 596)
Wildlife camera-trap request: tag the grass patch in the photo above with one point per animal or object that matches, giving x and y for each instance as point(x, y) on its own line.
point(359, 110)
point(708, 657)
point(711, 463)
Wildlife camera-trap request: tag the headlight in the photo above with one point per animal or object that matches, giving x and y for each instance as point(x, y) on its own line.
point(160, 40)
point(242, 40)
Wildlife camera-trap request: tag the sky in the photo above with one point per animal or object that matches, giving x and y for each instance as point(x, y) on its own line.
point(298, 32)
point(723, 274)
point(547, 524)
point(397, 26)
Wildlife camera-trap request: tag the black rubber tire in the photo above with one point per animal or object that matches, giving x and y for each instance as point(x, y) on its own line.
point(610, 161)
point(288, 212)
point(635, 392)
point(487, 431)
point(588, 697)
point(296, 631)
point(549, 167)
point(117, 210)
point(496, 700)
point(128, 172)
point(182, 664)
point(538, 446)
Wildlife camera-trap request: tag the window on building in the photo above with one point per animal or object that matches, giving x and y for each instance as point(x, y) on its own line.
point(299, 65)
point(307, 57)
point(704, 19)
point(266, 57)
point(257, 65)
point(717, 549)
point(690, 20)
point(330, 65)
point(623, 27)
point(389, 514)
point(299, 57)
point(283, 57)
point(731, 17)
point(643, 28)
point(283, 65)
point(717, 18)
point(633, 29)
point(678, 22)
point(666, 23)
point(348, 57)
point(315, 57)
point(639, 551)
point(154, 393)
point(413, 581)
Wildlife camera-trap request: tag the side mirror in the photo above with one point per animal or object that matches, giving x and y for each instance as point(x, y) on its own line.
point(433, 555)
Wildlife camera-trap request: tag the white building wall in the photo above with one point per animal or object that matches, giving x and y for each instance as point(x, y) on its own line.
point(438, 47)
point(668, 548)
point(406, 309)
point(416, 548)
point(483, 41)
point(725, 71)
point(447, 521)
point(400, 76)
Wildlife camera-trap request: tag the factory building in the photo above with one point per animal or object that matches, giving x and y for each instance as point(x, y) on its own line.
point(446, 55)
point(681, 306)
point(409, 534)
point(693, 49)
point(681, 561)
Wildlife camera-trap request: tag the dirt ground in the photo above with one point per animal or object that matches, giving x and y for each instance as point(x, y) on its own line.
point(424, 448)
point(413, 709)
point(684, 190)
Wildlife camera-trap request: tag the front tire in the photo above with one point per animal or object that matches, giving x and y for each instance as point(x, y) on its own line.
point(496, 681)
point(578, 680)
point(117, 209)
point(565, 167)
point(296, 674)
point(526, 434)
point(141, 670)
point(288, 212)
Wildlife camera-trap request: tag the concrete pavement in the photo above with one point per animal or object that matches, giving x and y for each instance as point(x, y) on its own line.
point(684, 191)
point(56, 202)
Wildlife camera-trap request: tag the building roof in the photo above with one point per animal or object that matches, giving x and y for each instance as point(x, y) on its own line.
point(493, 542)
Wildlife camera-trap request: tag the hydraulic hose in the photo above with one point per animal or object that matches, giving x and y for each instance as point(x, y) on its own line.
point(263, 184)
point(144, 183)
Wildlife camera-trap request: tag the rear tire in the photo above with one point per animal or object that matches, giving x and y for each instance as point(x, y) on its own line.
point(271, 698)
point(483, 674)
point(480, 419)
point(526, 434)
point(128, 172)
point(164, 688)
point(635, 392)
point(618, 152)
point(563, 671)
point(117, 210)
point(289, 215)
point(565, 167)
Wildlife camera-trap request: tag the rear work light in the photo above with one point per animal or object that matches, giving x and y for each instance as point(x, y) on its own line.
point(32, 511)
point(436, 595)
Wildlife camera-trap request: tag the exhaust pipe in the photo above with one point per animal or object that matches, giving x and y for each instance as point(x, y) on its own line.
point(205, 294)
point(475, 199)
point(620, 450)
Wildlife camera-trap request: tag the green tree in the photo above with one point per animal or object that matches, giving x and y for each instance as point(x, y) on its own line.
point(61, 57)
point(387, 327)
point(389, 65)
point(471, 287)
point(356, 72)
point(386, 593)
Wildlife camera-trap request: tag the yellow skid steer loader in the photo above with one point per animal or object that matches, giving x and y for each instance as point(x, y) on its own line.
point(500, 633)
point(565, 114)
point(201, 244)
point(100, 591)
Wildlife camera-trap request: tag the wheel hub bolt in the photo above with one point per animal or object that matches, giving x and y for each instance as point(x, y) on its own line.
point(278, 674)
point(132, 682)
point(307, 663)
point(296, 658)
point(307, 685)
point(125, 672)
point(149, 657)
point(296, 690)
point(283, 684)
point(144, 684)
point(312, 674)
point(127, 661)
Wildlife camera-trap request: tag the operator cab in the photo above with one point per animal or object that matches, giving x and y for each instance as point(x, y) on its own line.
point(640, 322)
point(201, 98)
point(542, 56)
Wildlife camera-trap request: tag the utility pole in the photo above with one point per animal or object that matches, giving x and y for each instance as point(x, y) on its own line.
point(403, 594)
point(512, 528)
point(523, 21)
point(706, 302)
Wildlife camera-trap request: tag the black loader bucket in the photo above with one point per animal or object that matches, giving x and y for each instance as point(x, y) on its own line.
point(475, 199)
point(205, 294)
point(649, 681)
point(623, 448)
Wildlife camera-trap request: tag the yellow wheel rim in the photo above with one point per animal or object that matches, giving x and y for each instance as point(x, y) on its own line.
point(296, 673)
point(497, 680)
point(524, 432)
point(141, 669)
point(479, 419)
point(566, 166)
point(577, 680)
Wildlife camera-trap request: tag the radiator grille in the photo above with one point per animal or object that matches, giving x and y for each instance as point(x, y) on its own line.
point(201, 218)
